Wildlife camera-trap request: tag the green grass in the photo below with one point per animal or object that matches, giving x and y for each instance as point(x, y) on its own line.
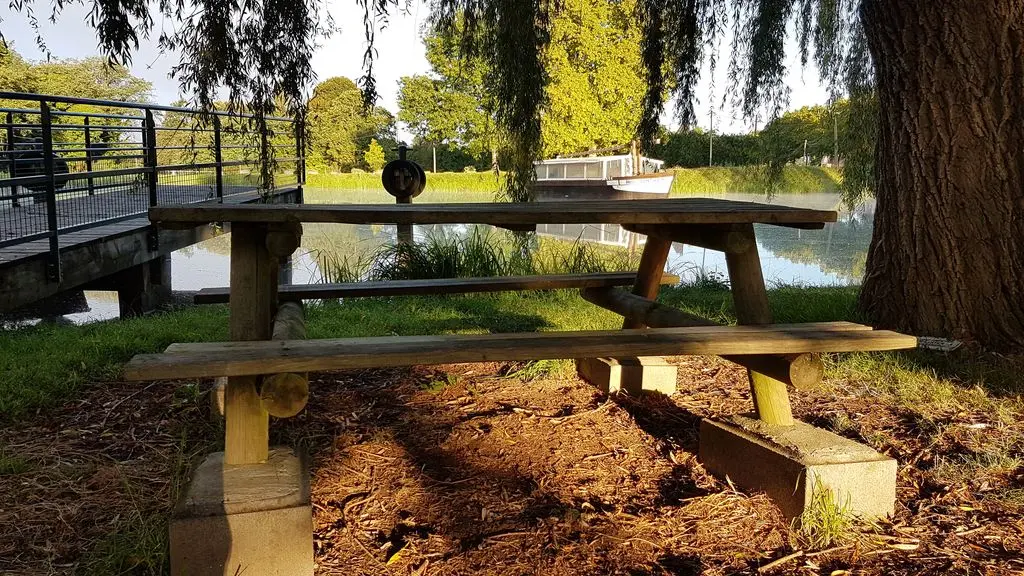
point(827, 521)
point(43, 364)
point(483, 186)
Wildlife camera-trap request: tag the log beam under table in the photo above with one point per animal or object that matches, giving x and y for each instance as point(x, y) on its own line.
point(798, 370)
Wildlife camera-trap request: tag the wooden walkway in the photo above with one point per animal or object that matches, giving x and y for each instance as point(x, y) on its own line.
point(83, 210)
point(94, 256)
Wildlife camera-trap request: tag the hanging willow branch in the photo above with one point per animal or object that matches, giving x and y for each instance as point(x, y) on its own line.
point(259, 52)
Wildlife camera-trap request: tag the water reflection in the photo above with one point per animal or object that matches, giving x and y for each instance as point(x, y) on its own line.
point(834, 255)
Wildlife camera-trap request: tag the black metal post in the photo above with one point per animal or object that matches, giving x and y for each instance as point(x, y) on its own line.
point(88, 155)
point(53, 266)
point(150, 154)
point(218, 157)
point(12, 157)
point(300, 152)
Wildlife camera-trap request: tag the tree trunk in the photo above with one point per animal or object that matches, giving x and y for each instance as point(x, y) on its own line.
point(947, 254)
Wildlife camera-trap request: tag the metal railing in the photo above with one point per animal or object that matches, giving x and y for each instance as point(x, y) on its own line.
point(68, 164)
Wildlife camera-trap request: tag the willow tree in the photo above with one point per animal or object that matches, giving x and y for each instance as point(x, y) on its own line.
point(947, 255)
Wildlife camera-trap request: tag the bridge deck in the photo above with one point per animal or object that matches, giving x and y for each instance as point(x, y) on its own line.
point(30, 219)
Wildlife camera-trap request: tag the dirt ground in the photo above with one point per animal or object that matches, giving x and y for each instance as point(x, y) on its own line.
point(469, 470)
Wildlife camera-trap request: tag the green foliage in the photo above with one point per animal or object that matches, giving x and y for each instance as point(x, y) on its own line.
point(592, 94)
point(595, 91)
point(690, 149)
point(374, 156)
point(340, 130)
point(85, 78)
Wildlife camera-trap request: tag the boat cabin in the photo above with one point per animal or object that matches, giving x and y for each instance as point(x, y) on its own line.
point(594, 167)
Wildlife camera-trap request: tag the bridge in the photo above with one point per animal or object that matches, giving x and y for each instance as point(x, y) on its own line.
point(78, 176)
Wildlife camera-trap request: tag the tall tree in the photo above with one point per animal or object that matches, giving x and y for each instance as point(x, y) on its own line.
point(340, 128)
point(451, 106)
point(592, 99)
point(947, 253)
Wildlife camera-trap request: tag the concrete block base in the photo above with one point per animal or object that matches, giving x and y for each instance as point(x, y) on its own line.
point(789, 462)
point(252, 519)
point(631, 375)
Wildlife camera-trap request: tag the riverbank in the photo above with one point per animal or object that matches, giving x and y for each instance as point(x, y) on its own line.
point(481, 186)
point(597, 485)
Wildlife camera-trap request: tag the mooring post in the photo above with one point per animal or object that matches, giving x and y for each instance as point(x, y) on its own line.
point(405, 180)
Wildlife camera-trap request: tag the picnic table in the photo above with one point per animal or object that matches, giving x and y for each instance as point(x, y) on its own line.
point(263, 234)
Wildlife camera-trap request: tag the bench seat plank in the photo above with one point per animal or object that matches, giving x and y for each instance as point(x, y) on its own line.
point(268, 357)
point(667, 211)
point(437, 286)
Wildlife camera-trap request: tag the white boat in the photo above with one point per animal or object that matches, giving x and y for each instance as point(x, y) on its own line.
point(618, 177)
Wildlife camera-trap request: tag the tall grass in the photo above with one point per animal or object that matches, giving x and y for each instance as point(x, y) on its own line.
point(480, 253)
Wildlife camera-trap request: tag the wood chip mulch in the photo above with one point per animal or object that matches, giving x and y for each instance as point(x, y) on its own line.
point(460, 470)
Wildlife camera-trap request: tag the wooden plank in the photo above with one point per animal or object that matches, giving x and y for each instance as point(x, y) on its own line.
point(267, 357)
point(671, 211)
point(254, 277)
point(438, 286)
point(750, 299)
point(800, 371)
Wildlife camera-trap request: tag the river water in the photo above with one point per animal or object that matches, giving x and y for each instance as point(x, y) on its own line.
point(832, 256)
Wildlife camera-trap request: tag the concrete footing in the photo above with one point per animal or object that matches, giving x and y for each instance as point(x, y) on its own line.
point(631, 375)
point(789, 463)
point(252, 519)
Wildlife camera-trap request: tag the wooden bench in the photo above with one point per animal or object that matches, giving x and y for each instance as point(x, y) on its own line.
point(209, 359)
point(437, 286)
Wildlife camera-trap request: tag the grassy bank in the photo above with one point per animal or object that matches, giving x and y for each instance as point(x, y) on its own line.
point(43, 365)
point(481, 186)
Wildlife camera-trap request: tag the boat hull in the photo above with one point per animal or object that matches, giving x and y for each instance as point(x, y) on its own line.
point(625, 188)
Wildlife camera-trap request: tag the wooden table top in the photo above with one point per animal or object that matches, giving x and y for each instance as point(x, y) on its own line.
point(670, 211)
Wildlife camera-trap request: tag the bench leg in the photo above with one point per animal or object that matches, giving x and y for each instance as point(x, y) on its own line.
point(648, 276)
point(253, 297)
point(771, 399)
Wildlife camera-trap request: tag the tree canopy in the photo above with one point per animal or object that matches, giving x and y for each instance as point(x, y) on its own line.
point(592, 98)
point(340, 129)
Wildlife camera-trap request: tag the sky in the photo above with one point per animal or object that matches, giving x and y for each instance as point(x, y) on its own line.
point(400, 53)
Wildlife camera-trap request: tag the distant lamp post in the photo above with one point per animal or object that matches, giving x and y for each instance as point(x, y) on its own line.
point(405, 180)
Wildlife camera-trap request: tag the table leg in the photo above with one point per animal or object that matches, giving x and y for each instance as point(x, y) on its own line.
point(253, 296)
point(750, 298)
point(648, 276)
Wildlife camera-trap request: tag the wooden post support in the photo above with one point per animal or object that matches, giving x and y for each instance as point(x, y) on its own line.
point(648, 276)
point(750, 298)
point(284, 395)
point(253, 294)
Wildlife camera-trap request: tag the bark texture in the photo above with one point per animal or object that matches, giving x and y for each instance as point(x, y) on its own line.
point(947, 254)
